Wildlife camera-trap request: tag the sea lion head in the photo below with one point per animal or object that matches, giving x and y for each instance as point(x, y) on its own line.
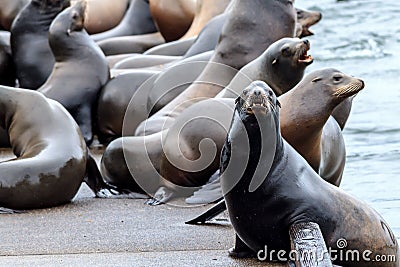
point(335, 83)
point(70, 20)
point(257, 98)
point(306, 19)
point(286, 61)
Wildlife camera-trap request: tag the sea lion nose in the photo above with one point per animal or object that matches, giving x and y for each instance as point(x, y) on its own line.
point(306, 42)
point(257, 92)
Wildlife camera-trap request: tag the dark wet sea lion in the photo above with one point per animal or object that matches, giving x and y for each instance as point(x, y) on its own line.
point(137, 20)
point(244, 37)
point(80, 70)
point(103, 15)
point(172, 17)
point(260, 199)
point(9, 10)
point(29, 41)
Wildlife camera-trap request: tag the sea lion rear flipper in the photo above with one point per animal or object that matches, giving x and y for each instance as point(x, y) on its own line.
point(209, 214)
point(306, 238)
point(162, 196)
point(102, 189)
point(241, 250)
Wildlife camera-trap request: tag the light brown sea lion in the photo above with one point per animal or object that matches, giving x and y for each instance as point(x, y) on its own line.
point(103, 15)
point(172, 17)
point(244, 37)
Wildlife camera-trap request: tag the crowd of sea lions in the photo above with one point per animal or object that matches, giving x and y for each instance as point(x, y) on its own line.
point(190, 98)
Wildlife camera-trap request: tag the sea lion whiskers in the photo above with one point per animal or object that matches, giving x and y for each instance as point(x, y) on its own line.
point(349, 89)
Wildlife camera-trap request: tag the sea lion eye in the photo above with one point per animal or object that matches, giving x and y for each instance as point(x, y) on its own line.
point(285, 51)
point(245, 92)
point(316, 80)
point(337, 78)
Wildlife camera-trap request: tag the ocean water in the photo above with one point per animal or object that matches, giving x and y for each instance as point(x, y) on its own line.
point(362, 38)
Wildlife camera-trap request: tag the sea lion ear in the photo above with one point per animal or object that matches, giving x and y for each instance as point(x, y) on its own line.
point(278, 103)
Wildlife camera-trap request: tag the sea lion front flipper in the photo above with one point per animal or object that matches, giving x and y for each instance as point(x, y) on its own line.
point(306, 238)
point(211, 192)
point(102, 189)
point(209, 214)
point(162, 196)
point(241, 250)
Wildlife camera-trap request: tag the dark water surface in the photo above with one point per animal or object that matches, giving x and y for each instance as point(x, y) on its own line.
point(362, 38)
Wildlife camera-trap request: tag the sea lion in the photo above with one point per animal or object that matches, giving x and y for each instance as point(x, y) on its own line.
point(325, 150)
point(268, 187)
point(305, 19)
point(80, 70)
point(137, 20)
point(103, 15)
point(244, 37)
point(172, 17)
point(9, 10)
point(30, 48)
point(52, 158)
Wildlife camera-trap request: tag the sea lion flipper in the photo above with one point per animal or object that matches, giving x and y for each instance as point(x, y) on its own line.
point(211, 192)
point(306, 237)
point(102, 189)
point(209, 214)
point(162, 196)
point(241, 250)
